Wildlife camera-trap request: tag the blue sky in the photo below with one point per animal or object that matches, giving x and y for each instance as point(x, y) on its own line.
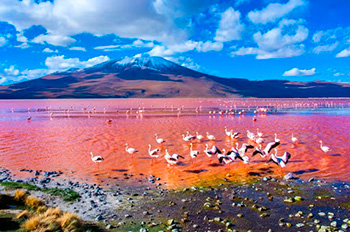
point(298, 40)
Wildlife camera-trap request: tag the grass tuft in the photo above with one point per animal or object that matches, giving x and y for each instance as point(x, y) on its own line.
point(33, 202)
point(16, 185)
point(20, 195)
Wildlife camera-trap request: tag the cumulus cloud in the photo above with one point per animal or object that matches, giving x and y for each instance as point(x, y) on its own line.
point(60, 63)
point(190, 45)
point(11, 71)
point(3, 41)
point(53, 63)
point(325, 48)
point(77, 49)
point(149, 20)
point(230, 26)
point(276, 43)
point(300, 72)
point(135, 44)
point(48, 50)
point(273, 11)
point(57, 40)
point(344, 53)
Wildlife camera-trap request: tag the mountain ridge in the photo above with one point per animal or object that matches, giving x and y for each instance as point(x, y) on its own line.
point(151, 77)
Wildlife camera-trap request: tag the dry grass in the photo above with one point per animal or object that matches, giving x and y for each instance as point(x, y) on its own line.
point(24, 215)
point(53, 219)
point(20, 195)
point(33, 202)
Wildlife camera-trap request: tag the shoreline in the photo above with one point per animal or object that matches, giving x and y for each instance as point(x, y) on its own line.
point(264, 203)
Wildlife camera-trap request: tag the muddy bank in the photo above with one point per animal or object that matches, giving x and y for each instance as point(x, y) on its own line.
point(258, 205)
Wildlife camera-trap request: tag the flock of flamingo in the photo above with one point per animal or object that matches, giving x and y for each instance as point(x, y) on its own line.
point(256, 142)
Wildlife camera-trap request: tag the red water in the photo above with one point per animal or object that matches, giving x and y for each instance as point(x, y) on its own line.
point(64, 140)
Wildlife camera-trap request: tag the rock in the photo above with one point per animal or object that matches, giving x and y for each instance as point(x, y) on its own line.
point(298, 198)
point(334, 224)
point(99, 217)
point(143, 230)
point(311, 179)
point(322, 214)
point(289, 200)
point(344, 226)
point(299, 225)
point(171, 221)
point(290, 176)
point(127, 216)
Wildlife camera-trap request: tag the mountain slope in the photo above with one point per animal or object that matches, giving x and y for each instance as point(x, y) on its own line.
point(156, 77)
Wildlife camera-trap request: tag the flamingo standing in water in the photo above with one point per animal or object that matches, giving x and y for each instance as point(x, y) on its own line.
point(264, 153)
point(154, 152)
point(210, 137)
point(198, 136)
point(325, 149)
point(130, 150)
point(213, 151)
point(281, 161)
point(260, 134)
point(188, 138)
point(228, 133)
point(294, 139)
point(276, 139)
point(96, 159)
point(159, 140)
point(172, 159)
point(193, 153)
point(234, 135)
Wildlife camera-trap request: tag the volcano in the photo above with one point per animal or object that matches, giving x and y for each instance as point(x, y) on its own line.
point(152, 77)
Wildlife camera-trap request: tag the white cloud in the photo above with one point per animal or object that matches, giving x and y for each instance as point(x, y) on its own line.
point(60, 63)
point(57, 40)
point(11, 71)
point(325, 48)
point(273, 11)
point(344, 53)
point(3, 41)
point(276, 43)
point(2, 79)
point(318, 36)
point(53, 63)
point(230, 27)
point(135, 44)
point(149, 20)
point(300, 72)
point(48, 50)
point(338, 74)
point(77, 49)
point(190, 45)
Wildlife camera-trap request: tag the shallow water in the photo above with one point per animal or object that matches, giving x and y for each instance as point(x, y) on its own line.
point(61, 134)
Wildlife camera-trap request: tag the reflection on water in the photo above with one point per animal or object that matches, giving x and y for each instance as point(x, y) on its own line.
point(62, 133)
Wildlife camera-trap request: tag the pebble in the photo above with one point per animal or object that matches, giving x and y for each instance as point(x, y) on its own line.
point(299, 225)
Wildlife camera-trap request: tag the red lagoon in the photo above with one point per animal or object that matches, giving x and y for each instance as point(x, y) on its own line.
point(60, 134)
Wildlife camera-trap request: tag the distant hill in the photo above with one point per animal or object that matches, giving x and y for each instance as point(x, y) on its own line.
point(151, 77)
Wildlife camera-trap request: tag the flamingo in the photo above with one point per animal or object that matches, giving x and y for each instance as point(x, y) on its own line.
point(281, 161)
point(250, 135)
point(154, 152)
point(213, 151)
point(172, 159)
point(193, 153)
point(294, 139)
point(276, 139)
point(228, 133)
point(243, 149)
point(188, 138)
point(29, 119)
point(234, 135)
point(325, 149)
point(259, 140)
point(159, 140)
point(210, 137)
point(198, 136)
point(260, 134)
point(130, 150)
point(267, 150)
point(96, 159)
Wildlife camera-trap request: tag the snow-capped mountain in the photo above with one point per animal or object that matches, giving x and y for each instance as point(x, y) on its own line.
point(147, 76)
